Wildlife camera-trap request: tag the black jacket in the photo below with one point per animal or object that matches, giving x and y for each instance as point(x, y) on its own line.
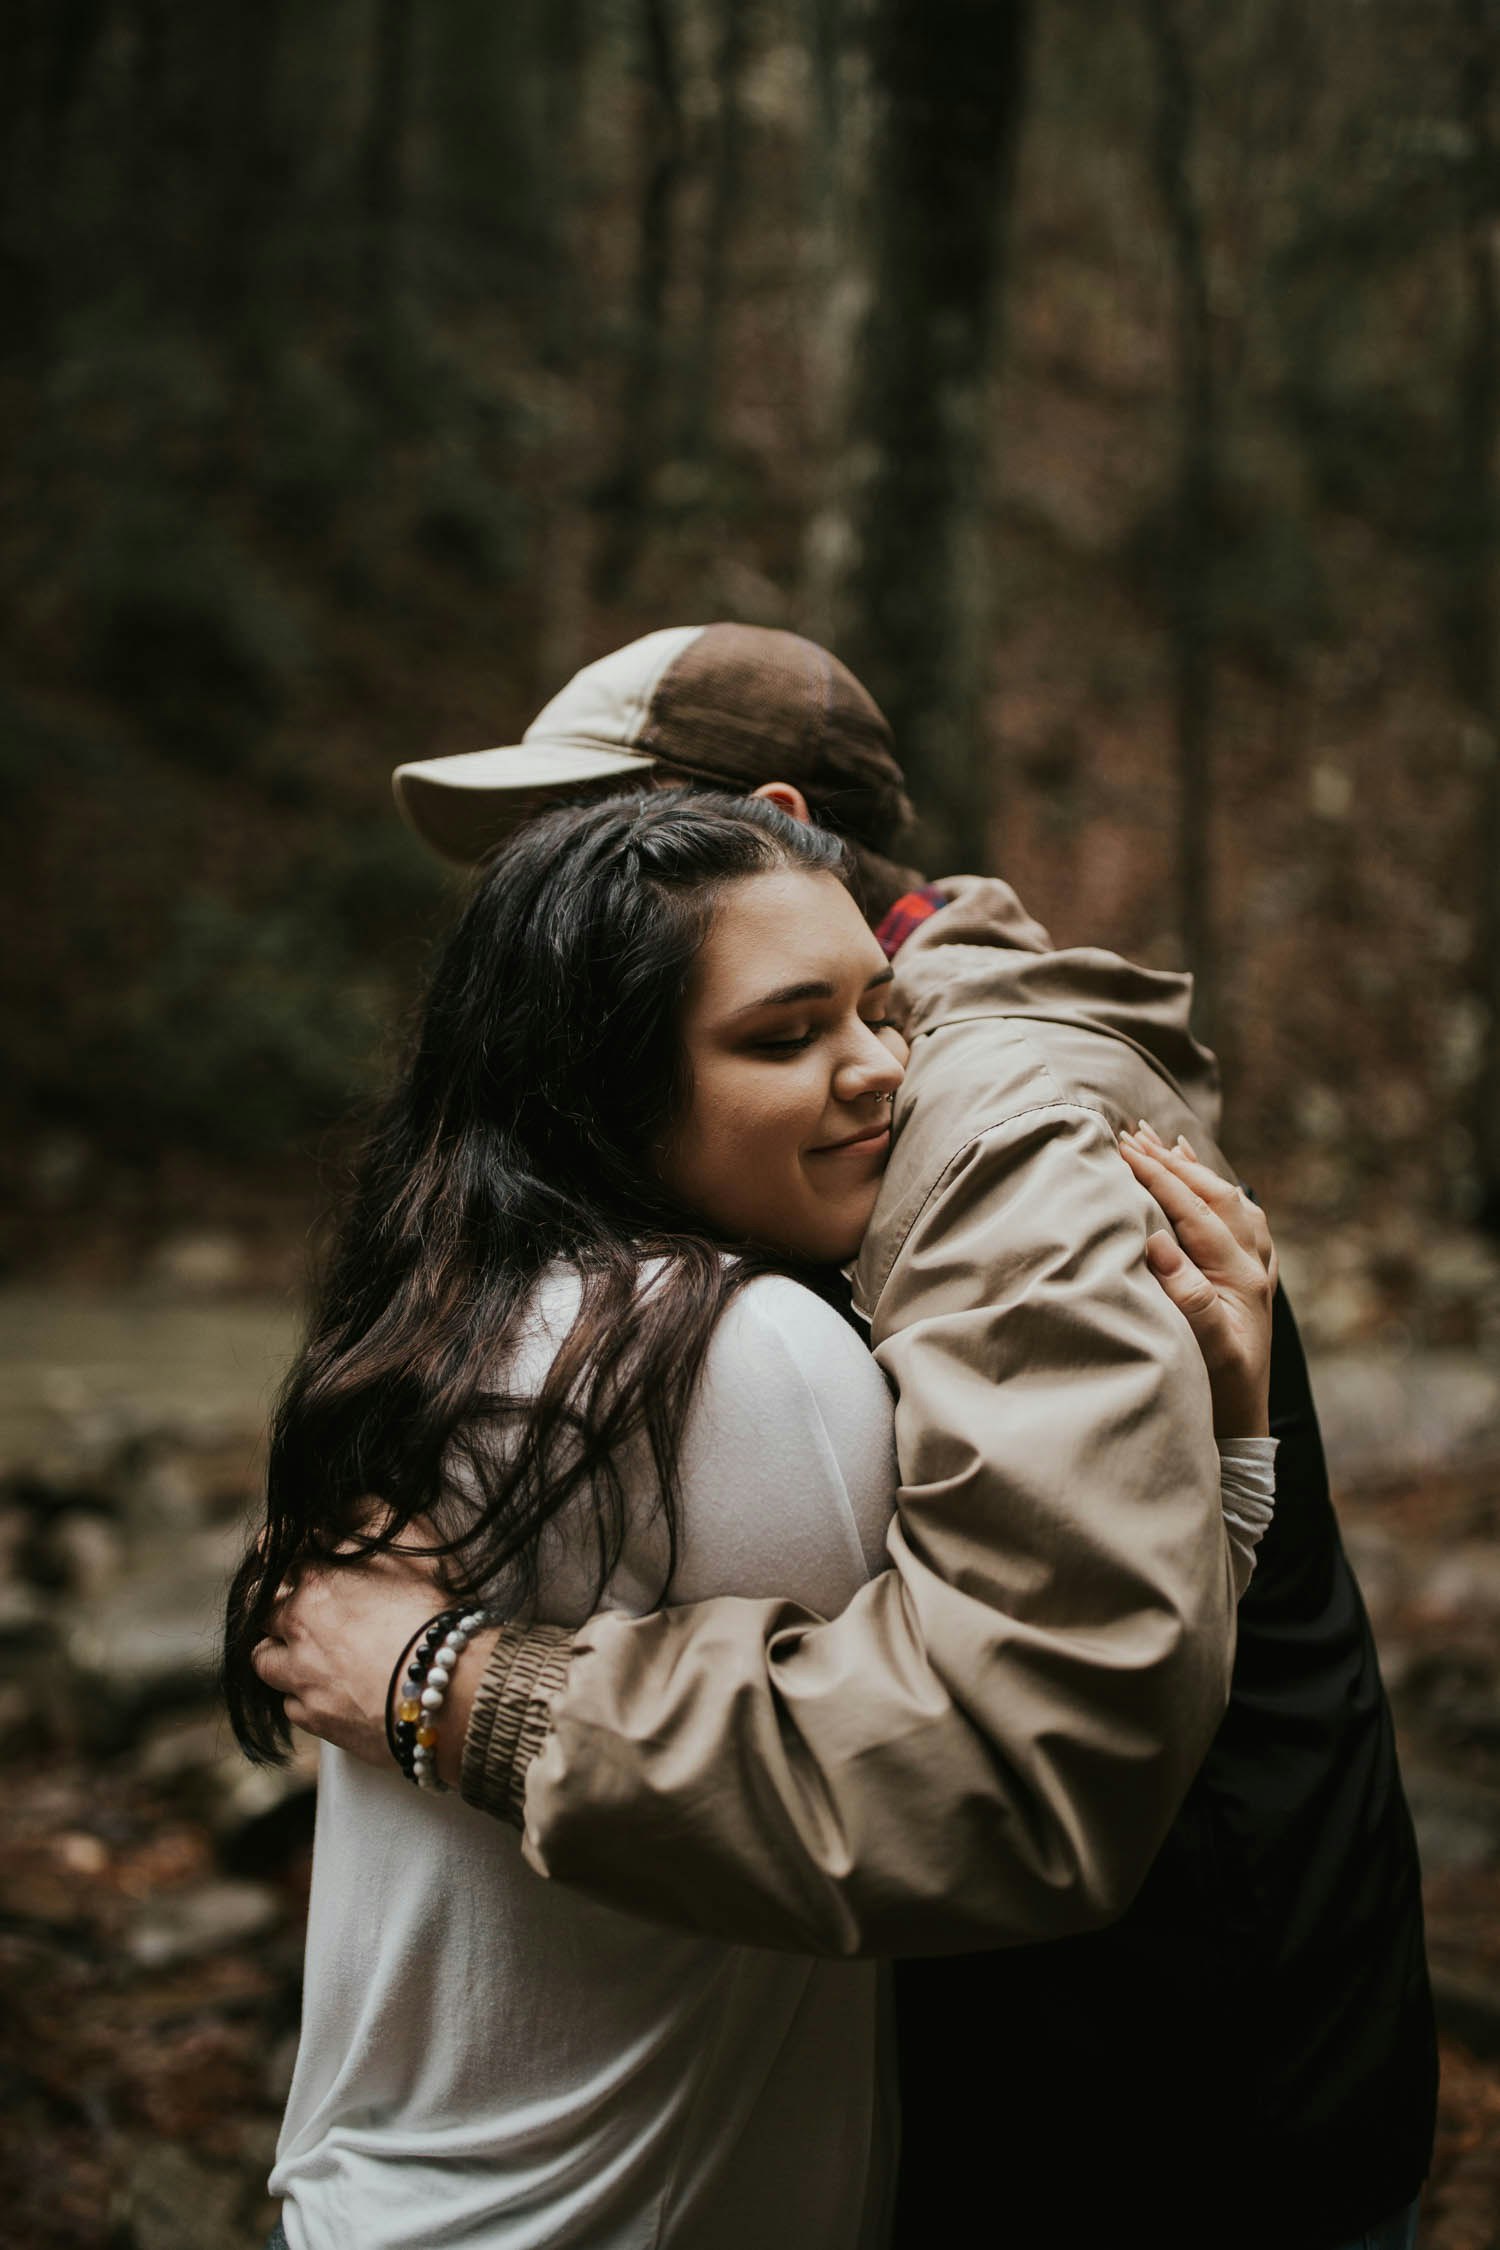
point(1248, 2057)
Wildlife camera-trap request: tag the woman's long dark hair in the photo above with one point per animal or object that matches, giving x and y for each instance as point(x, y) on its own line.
point(547, 1067)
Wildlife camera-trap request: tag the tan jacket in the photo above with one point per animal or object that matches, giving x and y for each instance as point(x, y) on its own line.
point(988, 1746)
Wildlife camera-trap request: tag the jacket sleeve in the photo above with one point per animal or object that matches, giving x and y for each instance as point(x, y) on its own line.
point(988, 1745)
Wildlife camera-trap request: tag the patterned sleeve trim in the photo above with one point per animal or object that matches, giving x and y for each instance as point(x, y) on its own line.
point(511, 1714)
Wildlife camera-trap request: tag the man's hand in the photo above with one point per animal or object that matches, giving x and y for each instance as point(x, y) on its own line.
point(1219, 1271)
point(336, 1634)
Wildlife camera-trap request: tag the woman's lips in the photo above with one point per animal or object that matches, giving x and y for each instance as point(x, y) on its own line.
point(876, 1137)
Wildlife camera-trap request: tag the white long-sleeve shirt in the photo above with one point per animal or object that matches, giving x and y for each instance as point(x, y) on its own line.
point(487, 2058)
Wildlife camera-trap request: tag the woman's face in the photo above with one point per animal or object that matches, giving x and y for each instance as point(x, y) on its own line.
point(792, 1065)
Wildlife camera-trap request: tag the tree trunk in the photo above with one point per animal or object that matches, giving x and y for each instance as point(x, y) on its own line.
point(701, 385)
point(1192, 554)
point(245, 157)
point(623, 494)
point(835, 289)
point(565, 33)
point(50, 54)
point(382, 168)
point(1473, 611)
point(901, 547)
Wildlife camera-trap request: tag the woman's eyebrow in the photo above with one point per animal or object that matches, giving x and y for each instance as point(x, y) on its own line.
point(817, 989)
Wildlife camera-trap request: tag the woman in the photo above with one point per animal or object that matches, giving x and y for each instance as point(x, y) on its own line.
point(583, 1319)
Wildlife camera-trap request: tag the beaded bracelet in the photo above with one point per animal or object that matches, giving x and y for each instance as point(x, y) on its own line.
point(401, 1734)
point(419, 1701)
point(405, 1695)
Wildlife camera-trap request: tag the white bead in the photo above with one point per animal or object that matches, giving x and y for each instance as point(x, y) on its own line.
point(432, 1699)
point(473, 1621)
point(439, 1677)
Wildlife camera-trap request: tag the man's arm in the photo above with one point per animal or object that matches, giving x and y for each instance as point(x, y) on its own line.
point(989, 1744)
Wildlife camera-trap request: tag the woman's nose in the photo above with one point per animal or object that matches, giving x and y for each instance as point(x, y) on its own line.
point(872, 1068)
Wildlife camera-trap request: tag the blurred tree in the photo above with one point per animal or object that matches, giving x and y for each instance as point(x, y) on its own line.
point(1474, 610)
point(1199, 476)
point(563, 41)
point(382, 169)
point(624, 494)
point(701, 375)
point(246, 213)
point(907, 557)
point(488, 73)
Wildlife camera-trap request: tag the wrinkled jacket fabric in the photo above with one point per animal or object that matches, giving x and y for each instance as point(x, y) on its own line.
point(989, 1745)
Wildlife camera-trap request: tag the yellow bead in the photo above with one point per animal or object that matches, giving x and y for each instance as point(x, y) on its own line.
point(427, 1736)
point(408, 1709)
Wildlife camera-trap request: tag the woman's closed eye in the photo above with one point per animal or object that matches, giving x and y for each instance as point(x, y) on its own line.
point(791, 1046)
point(795, 1044)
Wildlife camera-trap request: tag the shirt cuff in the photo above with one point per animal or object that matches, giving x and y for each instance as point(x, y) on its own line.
point(1247, 1488)
point(511, 1714)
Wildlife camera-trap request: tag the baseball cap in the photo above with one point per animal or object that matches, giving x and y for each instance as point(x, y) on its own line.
point(731, 705)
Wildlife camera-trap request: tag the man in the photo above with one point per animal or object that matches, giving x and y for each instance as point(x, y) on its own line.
point(1018, 1731)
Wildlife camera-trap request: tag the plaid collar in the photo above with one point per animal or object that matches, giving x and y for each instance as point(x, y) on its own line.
point(908, 914)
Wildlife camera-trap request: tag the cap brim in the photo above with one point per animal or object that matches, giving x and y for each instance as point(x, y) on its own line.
point(466, 805)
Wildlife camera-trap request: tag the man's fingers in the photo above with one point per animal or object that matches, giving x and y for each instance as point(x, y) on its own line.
point(1244, 1216)
point(272, 1664)
point(1218, 1224)
point(1205, 1229)
point(1191, 1292)
point(1184, 1283)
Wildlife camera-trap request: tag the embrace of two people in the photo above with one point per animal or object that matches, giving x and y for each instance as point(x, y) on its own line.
point(887, 1774)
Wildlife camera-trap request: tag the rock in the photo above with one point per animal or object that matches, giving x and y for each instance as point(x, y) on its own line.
point(58, 1165)
point(157, 1486)
point(260, 1817)
point(1456, 1819)
point(1450, 1841)
point(200, 1264)
point(174, 2201)
point(182, 1925)
point(1464, 1583)
point(263, 1815)
point(1391, 1415)
point(89, 1552)
point(1381, 1565)
point(1467, 2002)
point(183, 1747)
point(81, 1374)
point(153, 1637)
point(81, 1853)
point(27, 1619)
point(280, 2064)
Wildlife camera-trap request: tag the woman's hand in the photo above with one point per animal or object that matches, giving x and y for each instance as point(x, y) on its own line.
point(1219, 1271)
point(336, 1634)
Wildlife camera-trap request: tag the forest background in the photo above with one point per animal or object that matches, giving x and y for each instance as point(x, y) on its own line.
point(1116, 387)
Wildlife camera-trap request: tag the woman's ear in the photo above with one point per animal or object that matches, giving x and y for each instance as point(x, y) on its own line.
point(788, 796)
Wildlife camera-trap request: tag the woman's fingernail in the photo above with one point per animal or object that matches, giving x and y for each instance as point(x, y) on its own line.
point(1186, 1147)
point(1163, 1252)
